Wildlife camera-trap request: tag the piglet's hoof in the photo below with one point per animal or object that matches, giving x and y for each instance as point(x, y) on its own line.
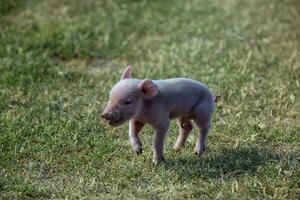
point(138, 150)
point(178, 147)
point(199, 152)
point(156, 162)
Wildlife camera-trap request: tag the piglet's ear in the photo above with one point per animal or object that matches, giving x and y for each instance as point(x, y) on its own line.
point(148, 88)
point(126, 73)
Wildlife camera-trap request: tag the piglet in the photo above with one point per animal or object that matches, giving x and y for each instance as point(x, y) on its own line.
point(156, 102)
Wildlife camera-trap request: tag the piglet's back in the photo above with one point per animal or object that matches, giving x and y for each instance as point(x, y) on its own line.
point(182, 94)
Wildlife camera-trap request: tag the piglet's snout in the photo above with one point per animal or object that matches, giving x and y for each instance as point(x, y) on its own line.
point(105, 116)
point(110, 116)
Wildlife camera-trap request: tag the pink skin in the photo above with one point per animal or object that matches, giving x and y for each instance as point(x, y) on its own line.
point(155, 103)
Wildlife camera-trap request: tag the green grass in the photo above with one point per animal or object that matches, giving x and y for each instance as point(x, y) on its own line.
point(59, 59)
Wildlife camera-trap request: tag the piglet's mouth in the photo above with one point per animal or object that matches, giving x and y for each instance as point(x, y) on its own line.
point(116, 122)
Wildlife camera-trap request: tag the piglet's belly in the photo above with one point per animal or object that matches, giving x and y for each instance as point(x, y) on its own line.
point(176, 113)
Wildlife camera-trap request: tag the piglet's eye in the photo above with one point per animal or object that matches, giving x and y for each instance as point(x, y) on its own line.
point(127, 102)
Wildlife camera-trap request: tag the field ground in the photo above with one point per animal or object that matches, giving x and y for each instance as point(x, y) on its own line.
point(59, 59)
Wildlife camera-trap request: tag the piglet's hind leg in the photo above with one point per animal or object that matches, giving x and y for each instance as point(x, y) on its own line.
point(185, 127)
point(202, 119)
point(201, 141)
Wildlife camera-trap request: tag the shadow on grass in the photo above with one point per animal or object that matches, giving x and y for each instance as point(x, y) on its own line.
point(229, 164)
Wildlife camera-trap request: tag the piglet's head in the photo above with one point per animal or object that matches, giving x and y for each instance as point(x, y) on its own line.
point(126, 98)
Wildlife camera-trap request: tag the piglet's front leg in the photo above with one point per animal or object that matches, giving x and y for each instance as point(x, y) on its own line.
point(134, 129)
point(158, 142)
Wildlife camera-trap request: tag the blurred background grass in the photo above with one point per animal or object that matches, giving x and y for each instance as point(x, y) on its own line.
point(59, 59)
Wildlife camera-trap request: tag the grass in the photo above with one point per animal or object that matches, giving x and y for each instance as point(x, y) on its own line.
point(59, 59)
